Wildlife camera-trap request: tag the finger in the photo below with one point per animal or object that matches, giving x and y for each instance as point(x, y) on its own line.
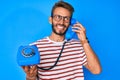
point(76, 28)
point(26, 69)
point(23, 67)
point(80, 25)
point(35, 72)
point(33, 68)
point(77, 31)
point(76, 25)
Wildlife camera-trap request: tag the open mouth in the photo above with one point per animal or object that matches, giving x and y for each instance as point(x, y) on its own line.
point(60, 27)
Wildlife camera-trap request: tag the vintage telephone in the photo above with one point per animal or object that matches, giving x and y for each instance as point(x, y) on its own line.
point(28, 55)
point(71, 34)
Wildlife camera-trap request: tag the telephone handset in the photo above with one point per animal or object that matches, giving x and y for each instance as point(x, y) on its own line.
point(71, 34)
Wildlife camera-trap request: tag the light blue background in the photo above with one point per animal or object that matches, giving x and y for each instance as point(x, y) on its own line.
point(25, 21)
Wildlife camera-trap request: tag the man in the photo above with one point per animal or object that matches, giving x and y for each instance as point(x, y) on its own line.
point(75, 54)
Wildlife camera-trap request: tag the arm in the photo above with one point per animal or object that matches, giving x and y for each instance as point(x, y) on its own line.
point(93, 64)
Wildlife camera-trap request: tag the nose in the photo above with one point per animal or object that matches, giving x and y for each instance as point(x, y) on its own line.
point(62, 21)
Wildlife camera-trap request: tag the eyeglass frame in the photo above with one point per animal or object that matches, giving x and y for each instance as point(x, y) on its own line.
point(61, 18)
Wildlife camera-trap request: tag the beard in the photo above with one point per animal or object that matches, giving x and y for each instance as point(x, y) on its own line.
point(61, 33)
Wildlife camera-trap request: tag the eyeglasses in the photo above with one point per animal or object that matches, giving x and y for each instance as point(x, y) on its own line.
point(59, 17)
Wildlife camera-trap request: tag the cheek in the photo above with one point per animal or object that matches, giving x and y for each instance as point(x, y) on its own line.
point(54, 23)
point(67, 25)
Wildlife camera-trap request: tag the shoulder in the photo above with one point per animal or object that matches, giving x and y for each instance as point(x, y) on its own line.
point(39, 41)
point(74, 41)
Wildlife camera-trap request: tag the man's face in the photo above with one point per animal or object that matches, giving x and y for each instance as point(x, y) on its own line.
point(60, 20)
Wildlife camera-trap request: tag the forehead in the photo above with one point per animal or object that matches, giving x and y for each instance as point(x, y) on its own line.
point(62, 11)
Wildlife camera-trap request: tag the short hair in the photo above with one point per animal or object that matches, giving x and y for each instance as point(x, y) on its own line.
point(63, 5)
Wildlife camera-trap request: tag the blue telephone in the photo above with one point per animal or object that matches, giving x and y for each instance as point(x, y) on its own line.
point(70, 34)
point(28, 55)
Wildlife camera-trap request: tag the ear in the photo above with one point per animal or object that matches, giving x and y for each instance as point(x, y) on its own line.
point(50, 20)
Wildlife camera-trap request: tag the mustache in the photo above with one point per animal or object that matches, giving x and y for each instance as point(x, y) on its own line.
point(61, 25)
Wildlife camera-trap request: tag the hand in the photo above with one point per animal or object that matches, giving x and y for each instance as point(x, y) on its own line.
point(80, 30)
point(31, 71)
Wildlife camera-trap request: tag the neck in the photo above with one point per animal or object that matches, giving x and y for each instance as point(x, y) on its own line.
point(56, 38)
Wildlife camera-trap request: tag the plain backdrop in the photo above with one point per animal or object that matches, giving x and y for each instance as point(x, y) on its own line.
point(25, 21)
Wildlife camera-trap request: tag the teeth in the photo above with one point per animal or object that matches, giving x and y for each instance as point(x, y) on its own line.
point(60, 27)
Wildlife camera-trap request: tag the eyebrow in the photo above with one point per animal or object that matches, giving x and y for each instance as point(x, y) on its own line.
point(60, 15)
